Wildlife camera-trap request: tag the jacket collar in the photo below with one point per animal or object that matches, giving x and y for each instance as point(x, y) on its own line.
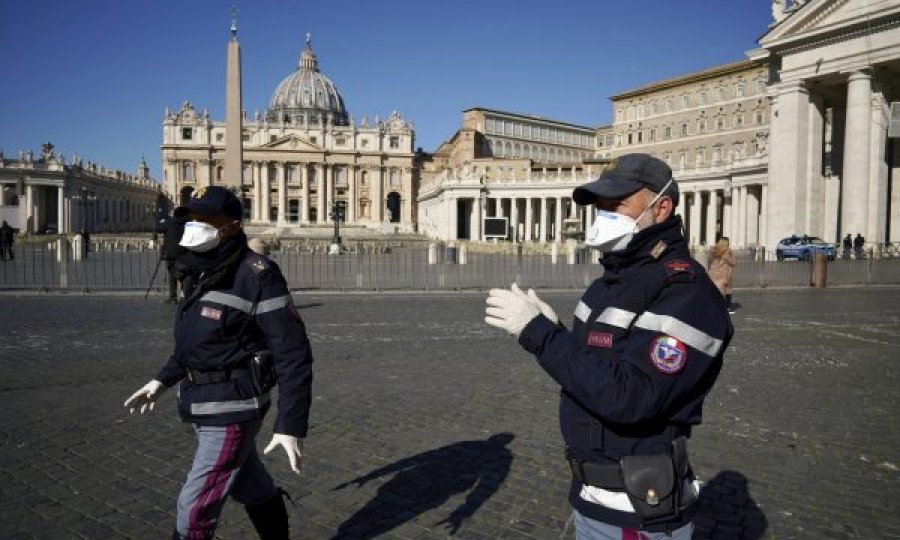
point(660, 241)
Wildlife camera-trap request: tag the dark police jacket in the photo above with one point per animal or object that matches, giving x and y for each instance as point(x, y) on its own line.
point(645, 348)
point(208, 338)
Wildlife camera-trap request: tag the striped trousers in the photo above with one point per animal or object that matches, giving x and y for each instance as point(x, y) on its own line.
point(225, 463)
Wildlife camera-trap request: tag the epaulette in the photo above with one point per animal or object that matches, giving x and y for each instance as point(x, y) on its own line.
point(679, 271)
point(257, 263)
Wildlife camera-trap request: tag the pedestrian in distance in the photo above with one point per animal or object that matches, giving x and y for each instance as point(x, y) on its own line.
point(721, 266)
point(645, 347)
point(7, 239)
point(173, 253)
point(858, 244)
point(847, 245)
point(237, 335)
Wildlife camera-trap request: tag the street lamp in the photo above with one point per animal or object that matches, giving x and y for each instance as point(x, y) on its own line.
point(338, 214)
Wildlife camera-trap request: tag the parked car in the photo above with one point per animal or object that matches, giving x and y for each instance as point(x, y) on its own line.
point(803, 247)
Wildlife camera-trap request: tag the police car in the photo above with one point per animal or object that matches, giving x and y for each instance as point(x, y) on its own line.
point(803, 247)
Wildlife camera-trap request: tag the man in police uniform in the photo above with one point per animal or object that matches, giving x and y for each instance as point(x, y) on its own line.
point(645, 348)
point(236, 332)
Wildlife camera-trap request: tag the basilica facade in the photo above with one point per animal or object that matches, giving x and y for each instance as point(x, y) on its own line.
point(302, 157)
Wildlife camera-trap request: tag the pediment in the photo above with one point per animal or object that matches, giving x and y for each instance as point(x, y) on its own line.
point(292, 143)
point(818, 17)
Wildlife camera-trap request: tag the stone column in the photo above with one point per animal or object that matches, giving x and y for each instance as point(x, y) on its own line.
point(60, 211)
point(751, 217)
point(712, 216)
point(696, 218)
point(451, 218)
point(476, 219)
point(857, 133)
point(500, 207)
point(378, 198)
point(329, 191)
point(544, 237)
point(741, 218)
point(352, 172)
point(304, 205)
point(282, 194)
point(727, 213)
point(267, 193)
point(406, 201)
point(320, 193)
point(514, 218)
point(558, 220)
point(788, 158)
point(30, 225)
point(815, 187)
point(257, 192)
point(529, 220)
point(878, 167)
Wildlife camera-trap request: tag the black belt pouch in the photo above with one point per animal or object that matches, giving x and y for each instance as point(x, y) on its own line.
point(262, 371)
point(650, 485)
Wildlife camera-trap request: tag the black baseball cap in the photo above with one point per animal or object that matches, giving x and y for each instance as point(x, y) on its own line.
point(626, 174)
point(212, 201)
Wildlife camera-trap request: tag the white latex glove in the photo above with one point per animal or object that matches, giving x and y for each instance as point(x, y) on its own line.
point(510, 310)
point(145, 397)
point(292, 445)
point(543, 306)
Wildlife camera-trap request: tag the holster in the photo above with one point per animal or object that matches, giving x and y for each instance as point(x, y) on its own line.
point(262, 371)
point(651, 486)
point(655, 484)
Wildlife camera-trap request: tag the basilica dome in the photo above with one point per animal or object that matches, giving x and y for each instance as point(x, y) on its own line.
point(307, 96)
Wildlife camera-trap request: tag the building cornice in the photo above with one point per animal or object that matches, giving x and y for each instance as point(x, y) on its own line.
point(697, 76)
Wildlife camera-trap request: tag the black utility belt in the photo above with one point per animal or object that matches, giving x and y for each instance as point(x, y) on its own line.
point(655, 484)
point(213, 377)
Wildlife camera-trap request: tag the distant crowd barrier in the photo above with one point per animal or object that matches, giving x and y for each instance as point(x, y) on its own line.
point(129, 264)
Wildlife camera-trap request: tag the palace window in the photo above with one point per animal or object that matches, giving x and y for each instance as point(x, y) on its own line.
point(220, 137)
point(668, 133)
point(395, 142)
point(739, 89)
point(684, 130)
point(187, 133)
point(685, 101)
point(652, 135)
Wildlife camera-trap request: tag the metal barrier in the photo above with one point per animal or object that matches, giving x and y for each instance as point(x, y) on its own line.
point(52, 264)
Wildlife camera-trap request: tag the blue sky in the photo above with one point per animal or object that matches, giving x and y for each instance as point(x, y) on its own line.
point(94, 76)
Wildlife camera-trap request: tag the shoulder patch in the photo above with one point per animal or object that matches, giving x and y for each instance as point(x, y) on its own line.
point(668, 355)
point(257, 263)
point(679, 271)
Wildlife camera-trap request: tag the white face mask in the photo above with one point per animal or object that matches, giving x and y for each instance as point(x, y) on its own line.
point(199, 236)
point(612, 231)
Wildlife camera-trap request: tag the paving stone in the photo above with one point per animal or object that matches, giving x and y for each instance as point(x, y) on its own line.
point(799, 436)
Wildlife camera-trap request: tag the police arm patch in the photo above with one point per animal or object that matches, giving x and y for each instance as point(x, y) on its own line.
point(668, 355)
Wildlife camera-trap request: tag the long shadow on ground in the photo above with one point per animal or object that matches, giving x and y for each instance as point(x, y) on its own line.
point(426, 481)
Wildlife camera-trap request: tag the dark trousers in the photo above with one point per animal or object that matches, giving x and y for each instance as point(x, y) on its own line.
point(6, 251)
point(173, 280)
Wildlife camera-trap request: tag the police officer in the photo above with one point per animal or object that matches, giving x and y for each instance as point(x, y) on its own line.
point(645, 348)
point(236, 332)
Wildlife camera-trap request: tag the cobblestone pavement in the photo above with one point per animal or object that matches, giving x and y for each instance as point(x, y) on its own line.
point(426, 421)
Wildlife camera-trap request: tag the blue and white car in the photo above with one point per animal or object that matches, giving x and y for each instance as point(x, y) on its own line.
point(803, 247)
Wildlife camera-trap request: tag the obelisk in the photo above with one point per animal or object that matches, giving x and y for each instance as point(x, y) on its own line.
point(233, 111)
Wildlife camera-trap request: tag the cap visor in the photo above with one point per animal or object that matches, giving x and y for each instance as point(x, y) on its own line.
point(604, 188)
point(197, 208)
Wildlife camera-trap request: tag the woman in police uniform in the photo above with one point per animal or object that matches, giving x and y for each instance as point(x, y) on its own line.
point(237, 333)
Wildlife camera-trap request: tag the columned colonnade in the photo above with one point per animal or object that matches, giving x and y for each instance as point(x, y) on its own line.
point(303, 192)
point(735, 211)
